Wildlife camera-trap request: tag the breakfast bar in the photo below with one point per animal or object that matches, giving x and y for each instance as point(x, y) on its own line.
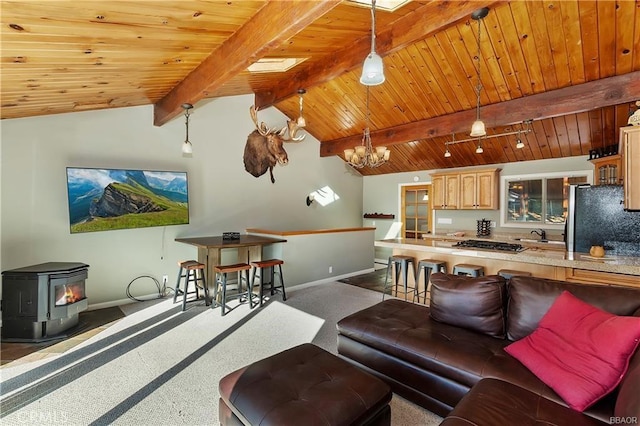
point(249, 248)
point(545, 263)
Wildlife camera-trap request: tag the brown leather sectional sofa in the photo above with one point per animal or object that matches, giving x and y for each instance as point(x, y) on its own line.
point(456, 365)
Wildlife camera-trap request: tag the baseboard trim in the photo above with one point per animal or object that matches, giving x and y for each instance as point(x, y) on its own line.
point(111, 304)
point(330, 279)
point(154, 296)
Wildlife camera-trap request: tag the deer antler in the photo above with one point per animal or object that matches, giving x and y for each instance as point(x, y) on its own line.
point(293, 129)
point(262, 128)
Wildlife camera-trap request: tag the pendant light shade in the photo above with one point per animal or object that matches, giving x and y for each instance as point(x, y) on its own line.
point(519, 143)
point(372, 69)
point(478, 129)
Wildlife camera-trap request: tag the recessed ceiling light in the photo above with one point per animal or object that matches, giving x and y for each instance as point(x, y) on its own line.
point(274, 64)
point(386, 5)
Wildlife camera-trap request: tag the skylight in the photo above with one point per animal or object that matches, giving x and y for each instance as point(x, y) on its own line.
point(275, 64)
point(386, 5)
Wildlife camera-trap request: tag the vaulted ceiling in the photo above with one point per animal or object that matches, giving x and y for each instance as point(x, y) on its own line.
point(573, 67)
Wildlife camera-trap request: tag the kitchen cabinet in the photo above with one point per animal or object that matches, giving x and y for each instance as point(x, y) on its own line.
point(608, 170)
point(446, 188)
point(630, 148)
point(470, 190)
point(479, 189)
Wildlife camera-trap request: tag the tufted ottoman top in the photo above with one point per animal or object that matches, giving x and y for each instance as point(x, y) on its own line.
point(304, 385)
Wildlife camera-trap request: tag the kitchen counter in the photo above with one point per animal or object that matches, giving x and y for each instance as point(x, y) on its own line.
point(526, 240)
point(437, 244)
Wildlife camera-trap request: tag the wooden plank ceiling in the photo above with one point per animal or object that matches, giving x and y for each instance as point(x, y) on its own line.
point(571, 66)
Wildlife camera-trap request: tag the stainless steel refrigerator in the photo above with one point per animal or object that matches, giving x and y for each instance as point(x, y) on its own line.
point(596, 216)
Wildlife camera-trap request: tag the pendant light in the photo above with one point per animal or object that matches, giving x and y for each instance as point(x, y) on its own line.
point(301, 122)
point(478, 128)
point(373, 69)
point(187, 147)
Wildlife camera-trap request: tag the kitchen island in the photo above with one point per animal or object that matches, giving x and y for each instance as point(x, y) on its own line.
point(551, 263)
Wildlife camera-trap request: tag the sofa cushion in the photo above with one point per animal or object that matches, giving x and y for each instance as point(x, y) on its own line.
point(580, 351)
point(474, 303)
point(628, 401)
point(496, 402)
point(531, 297)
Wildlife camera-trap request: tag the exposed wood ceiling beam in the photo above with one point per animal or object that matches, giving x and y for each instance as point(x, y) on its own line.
point(569, 100)
point(407, 30)
point(275, 23)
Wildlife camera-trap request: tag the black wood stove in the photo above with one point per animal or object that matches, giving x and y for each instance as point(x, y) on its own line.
point(39, 302)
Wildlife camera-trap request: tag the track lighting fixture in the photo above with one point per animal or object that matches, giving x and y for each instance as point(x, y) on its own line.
point(478, 141)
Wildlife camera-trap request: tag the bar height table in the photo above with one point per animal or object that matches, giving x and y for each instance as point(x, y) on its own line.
point(210, 249)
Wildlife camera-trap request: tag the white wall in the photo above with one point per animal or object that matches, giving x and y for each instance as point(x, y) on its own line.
point(223, 196)
point(381, 193)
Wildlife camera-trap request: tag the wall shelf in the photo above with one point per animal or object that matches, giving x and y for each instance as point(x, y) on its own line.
point(379, 216)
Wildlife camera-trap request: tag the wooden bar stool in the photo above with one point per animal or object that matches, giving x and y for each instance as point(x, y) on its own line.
point(221, 295)
point(429, 266)
point(271, 266)
point(470, 270)
point(508, 273)
point(193, 272)
point(401, 265)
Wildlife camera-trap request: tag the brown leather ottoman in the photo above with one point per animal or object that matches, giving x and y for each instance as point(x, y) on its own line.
point(304, 385)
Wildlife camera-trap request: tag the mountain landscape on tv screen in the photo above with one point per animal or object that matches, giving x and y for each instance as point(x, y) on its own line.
point(106, 199)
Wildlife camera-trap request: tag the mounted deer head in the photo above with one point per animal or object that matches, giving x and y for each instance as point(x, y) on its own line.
point(264, 147)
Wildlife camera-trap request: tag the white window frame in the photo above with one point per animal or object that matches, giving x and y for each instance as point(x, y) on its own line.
point(551, 175)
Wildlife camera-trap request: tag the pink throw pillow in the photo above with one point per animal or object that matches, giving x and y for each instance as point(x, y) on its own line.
point(578, 350)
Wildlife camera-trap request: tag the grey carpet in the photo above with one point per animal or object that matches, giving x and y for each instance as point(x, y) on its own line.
point(161, 366)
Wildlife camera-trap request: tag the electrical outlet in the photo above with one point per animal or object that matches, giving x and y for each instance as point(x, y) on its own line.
point(165, 279)
point(331, 269)
point(493, 223)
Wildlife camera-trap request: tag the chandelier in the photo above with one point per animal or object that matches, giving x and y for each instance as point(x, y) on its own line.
point(364, 155)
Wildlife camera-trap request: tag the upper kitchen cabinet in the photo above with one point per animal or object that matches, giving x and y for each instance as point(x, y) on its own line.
point(479, 190)
point(608, 170)
point(630, 148)
point(471, 190)
point(446, 189)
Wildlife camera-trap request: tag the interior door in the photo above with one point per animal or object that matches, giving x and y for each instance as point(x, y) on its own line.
point(416, 210)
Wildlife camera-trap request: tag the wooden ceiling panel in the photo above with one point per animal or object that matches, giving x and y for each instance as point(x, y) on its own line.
point(63, 56)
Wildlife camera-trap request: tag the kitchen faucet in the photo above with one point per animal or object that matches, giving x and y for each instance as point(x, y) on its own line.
point(541, 232)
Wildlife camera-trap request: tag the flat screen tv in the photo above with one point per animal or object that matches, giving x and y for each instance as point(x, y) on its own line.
point(108, 199)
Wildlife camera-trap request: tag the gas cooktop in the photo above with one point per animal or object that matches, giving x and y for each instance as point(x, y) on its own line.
point(490, 245)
